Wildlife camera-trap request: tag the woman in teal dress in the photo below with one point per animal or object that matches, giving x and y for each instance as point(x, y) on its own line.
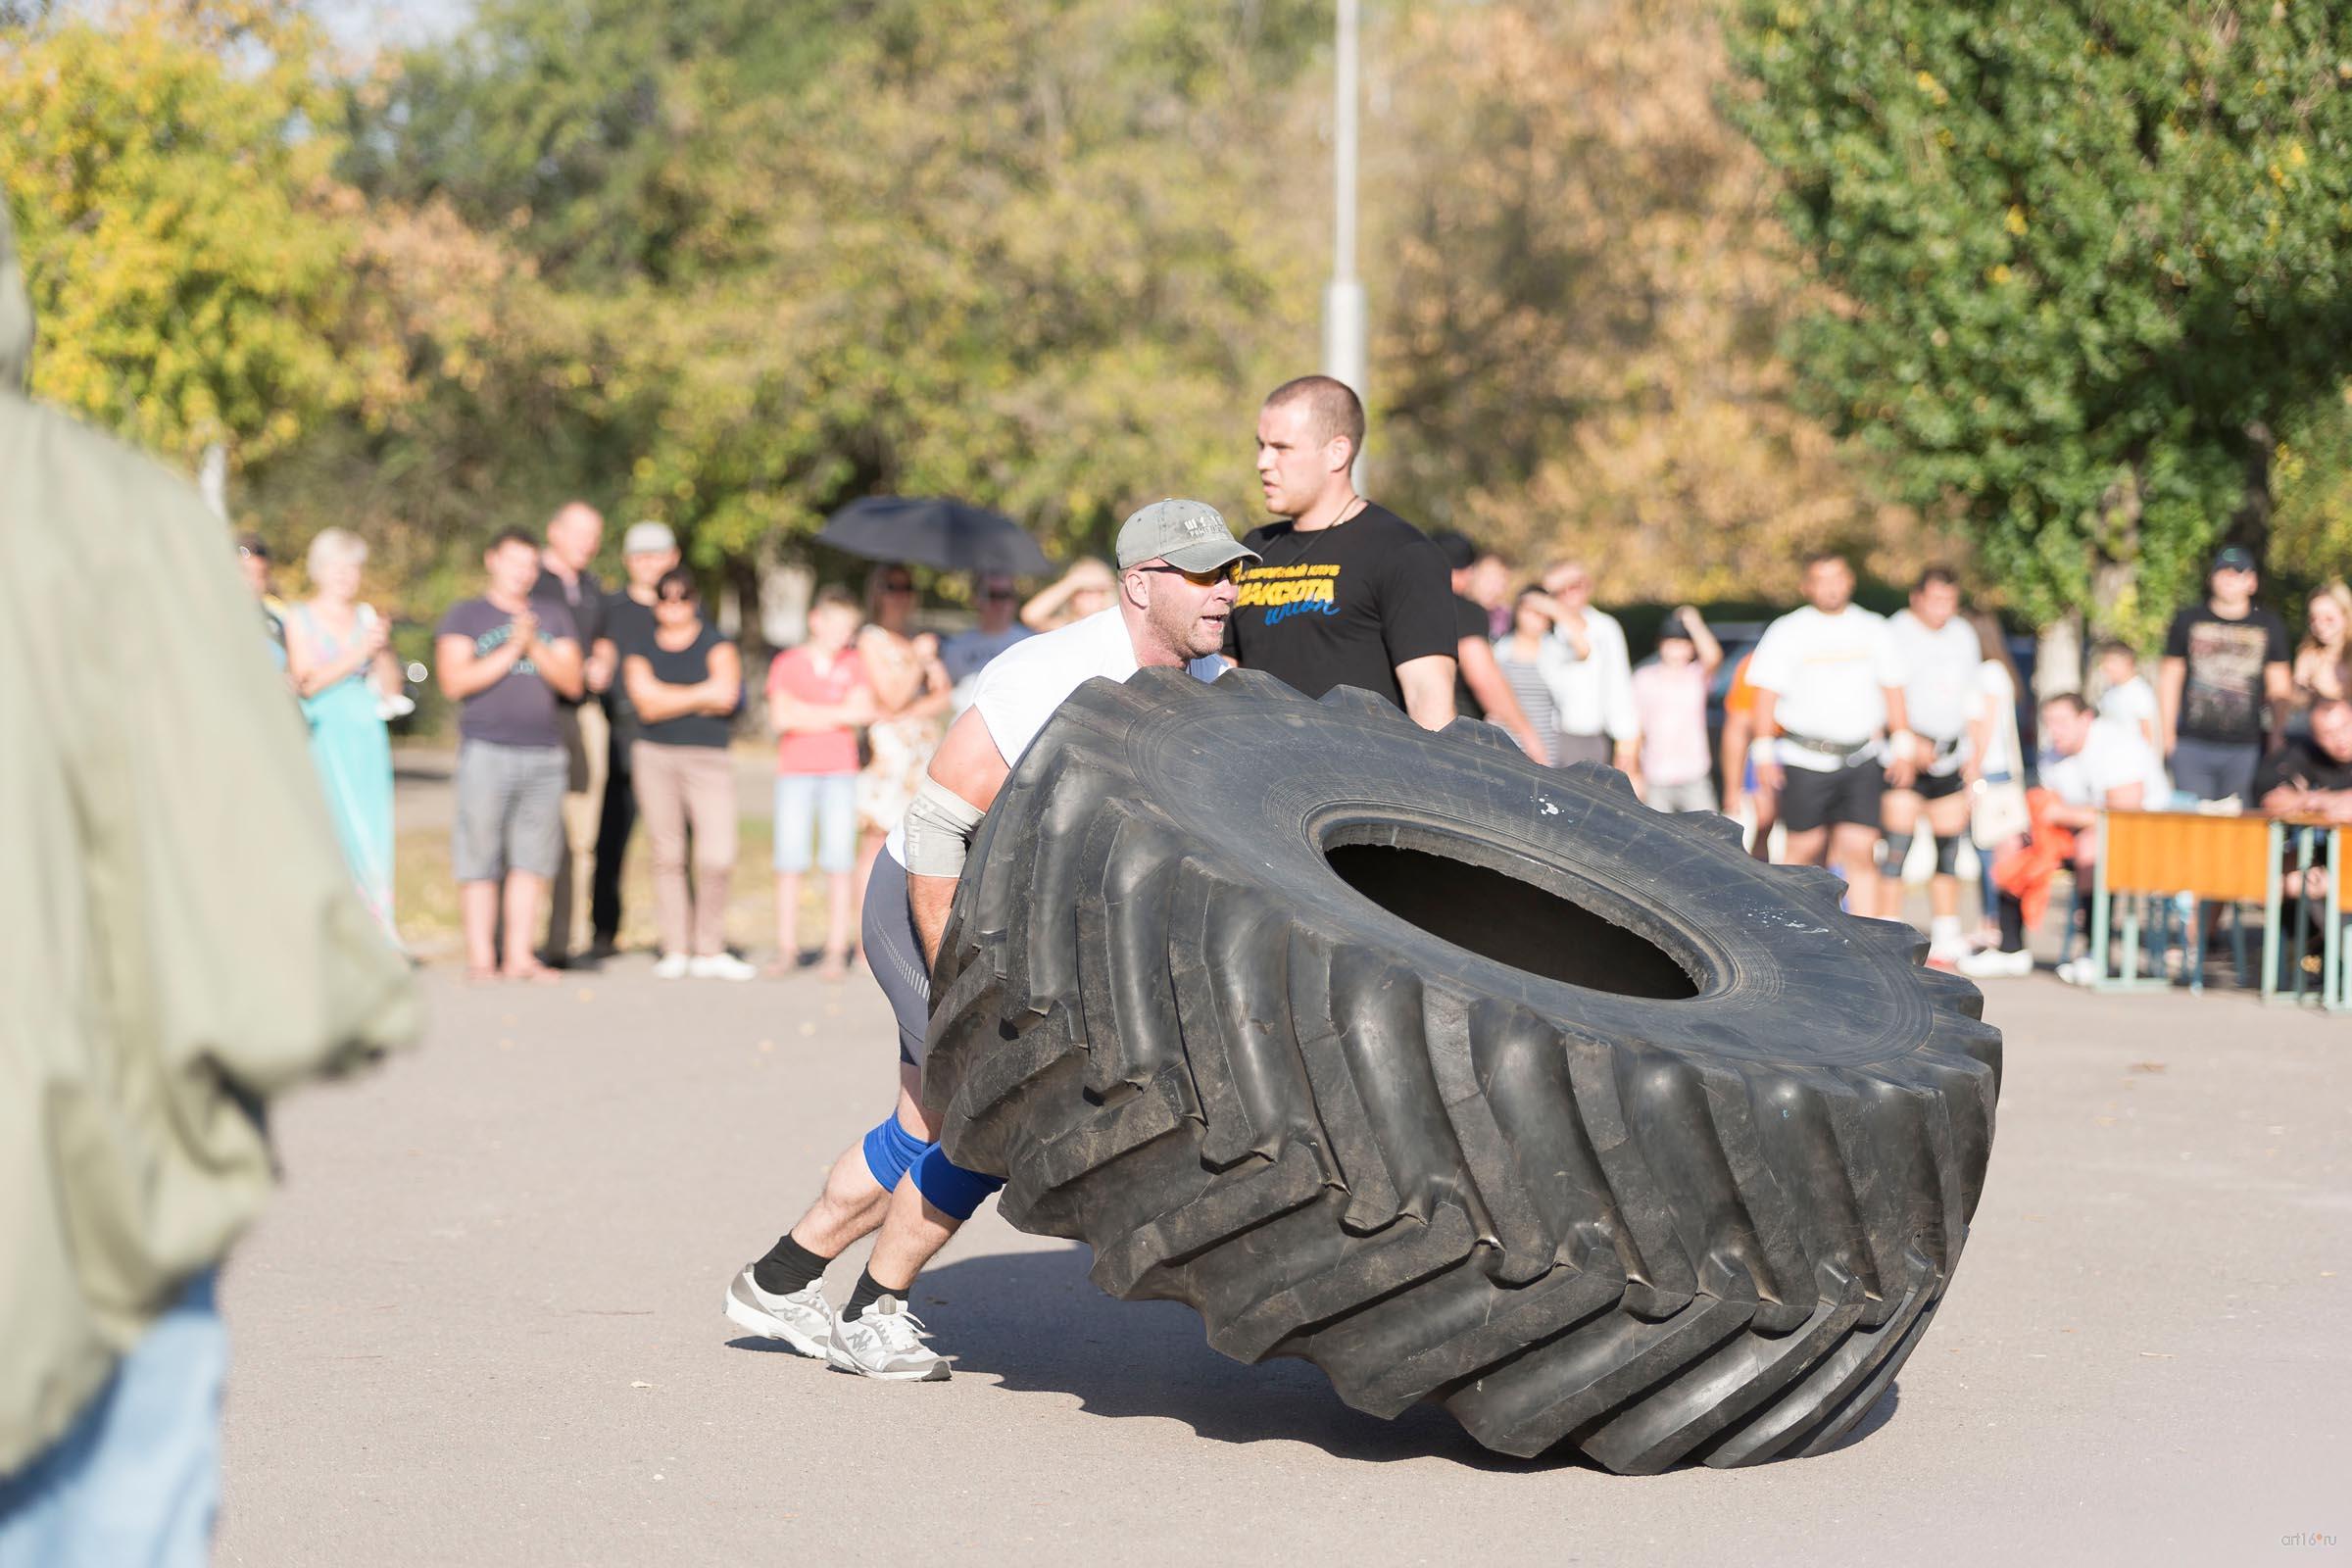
point(336, 651)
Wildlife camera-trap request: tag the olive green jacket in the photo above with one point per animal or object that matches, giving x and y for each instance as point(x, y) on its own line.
point(179, 937)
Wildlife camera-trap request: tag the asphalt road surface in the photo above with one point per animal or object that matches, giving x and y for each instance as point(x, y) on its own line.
point(481, 1325)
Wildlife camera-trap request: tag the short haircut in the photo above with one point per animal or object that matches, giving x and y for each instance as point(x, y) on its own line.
point(1334, 405)
point(2072, 702)
point(1937, 577)
point(2111, 649)
point(1455, 546)
point(1816, 558)
point(678, 577)
point(332, 545)
point(511, 536)
point(833, 596)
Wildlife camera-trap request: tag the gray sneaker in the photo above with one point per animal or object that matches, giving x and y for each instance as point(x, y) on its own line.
point(886, 1341)
point(801, 1320)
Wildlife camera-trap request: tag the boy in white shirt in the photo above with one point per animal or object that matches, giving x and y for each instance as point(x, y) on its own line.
point(2125, 697)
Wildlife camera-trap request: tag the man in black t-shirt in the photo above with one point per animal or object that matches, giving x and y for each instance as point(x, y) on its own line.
point(1347, 592)
point(2224, 662)
point(566, 586)
point(1480, 689)
point(648, 551)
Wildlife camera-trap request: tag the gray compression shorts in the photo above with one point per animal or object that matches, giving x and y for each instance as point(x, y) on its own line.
point(887, 927)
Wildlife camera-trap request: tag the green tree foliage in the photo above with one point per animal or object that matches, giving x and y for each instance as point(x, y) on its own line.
point(2086, 258)
point(185, 242)
point(1581, 285)
point(2311, 529)
point(1016, 251)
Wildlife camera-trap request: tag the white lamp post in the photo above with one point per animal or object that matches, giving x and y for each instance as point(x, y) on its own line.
point(1343, 298)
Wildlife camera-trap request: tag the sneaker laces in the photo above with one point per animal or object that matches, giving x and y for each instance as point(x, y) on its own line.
point(899, 1331)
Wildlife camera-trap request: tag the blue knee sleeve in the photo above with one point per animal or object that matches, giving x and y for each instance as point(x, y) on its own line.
point(1948, 855)
point(948, 1187)
point(890, 1149)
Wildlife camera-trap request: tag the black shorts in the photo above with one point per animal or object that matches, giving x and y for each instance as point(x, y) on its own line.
point(1811, 799)
point(895, 955)
point(1933, 786)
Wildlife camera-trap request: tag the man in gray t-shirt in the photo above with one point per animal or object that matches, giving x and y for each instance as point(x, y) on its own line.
point(508, 659)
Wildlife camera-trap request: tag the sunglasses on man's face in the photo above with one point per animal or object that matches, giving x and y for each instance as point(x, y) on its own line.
point(675, 598)
point(898, 586)
point(1202, 579)
point(999, 595)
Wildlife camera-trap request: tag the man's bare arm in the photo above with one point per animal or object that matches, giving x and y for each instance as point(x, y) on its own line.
point(1428, 686)
point(968, 766)
point(2279, 685)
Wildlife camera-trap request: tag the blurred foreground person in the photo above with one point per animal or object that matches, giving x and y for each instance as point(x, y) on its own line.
point(183, 943)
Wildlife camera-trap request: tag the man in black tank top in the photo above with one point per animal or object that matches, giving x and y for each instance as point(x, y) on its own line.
point(1347, 592)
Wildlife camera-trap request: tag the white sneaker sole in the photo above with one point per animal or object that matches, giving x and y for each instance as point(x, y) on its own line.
point(746, 1316)
point(840, 1363)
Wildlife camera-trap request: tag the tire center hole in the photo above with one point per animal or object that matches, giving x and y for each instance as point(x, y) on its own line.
point(1517, 923)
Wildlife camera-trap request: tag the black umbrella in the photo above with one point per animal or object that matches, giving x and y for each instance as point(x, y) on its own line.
point(950, 535)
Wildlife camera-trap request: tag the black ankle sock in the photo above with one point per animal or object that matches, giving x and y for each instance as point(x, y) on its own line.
point(788, 1267)
point(868, 1292)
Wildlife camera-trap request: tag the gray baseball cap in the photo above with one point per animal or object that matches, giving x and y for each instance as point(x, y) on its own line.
point(647, 539)
point(1187, 534)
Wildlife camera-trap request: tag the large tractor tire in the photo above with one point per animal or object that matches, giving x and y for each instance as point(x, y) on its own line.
point(1465, 1079)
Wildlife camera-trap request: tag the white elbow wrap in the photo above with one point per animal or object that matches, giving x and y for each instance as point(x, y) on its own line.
point(938, 830)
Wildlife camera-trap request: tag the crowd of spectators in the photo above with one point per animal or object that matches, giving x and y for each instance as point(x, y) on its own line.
point(1887, 748)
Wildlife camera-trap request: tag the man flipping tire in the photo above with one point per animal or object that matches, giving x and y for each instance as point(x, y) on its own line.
point(1176, 590)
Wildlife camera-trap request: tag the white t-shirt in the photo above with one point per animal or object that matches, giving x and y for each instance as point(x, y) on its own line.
point(2113, 757)
point(1941, 697)
point(2129, 704)
point(1593, 695)
point(1022, 686)
point(1828, 674)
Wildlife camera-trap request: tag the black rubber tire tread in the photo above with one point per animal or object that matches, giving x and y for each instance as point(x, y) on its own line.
point(1657, 1230)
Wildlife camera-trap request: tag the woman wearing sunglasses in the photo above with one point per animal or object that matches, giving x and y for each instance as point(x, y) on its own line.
point(685, 683)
